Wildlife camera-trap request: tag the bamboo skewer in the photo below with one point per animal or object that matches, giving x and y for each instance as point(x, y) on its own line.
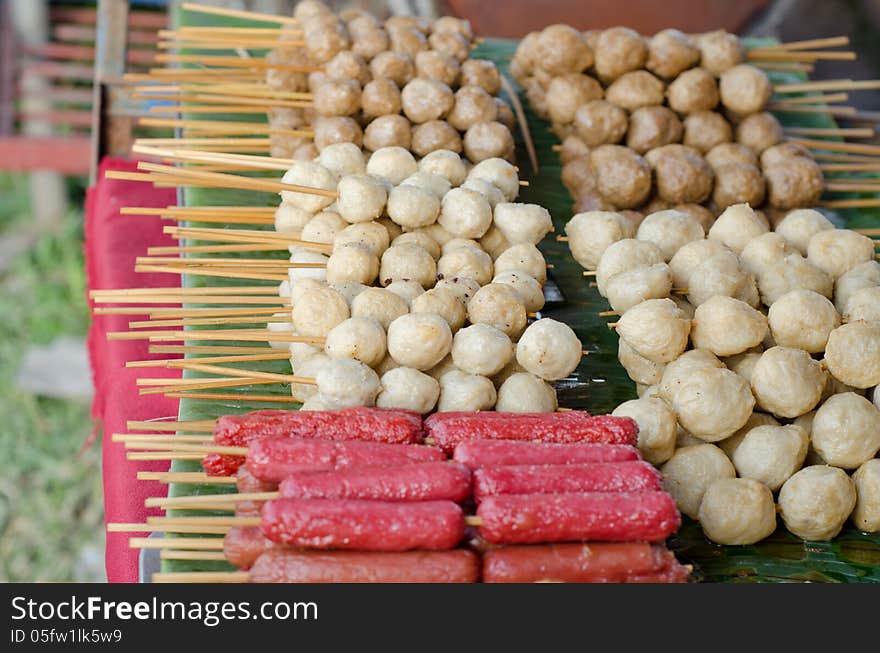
point(237, 13)
point(185, 477)
point(150, 528)
point(828, 42)
point(828, 85)
point(808, 56)
point(224, 126)
point(234, 62)
point(215, 396)
point(195, 543)
point(167, 554)
point(836, 146)
point(843, 132)
point(839, 112)
point(821, 98)
point(205, 349)
point(850, 167)
point(211, 321)
point(201, 576)
point(162, 425)
point(219, 249)
point(851, 204)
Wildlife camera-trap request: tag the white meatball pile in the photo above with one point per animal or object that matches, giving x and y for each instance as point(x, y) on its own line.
point(755, 352)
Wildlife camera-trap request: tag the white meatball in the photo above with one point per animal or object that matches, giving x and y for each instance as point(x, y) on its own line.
point(861, 276)
point(803, 319)
point(408, 389)
point(549, 349)
point(864, 305)
point(630, 287)
point(348, 289)
point(457, 243)
point(343, 159)
point(846, 430)
point(460, 391)
point(371, 235)
point(729, 445)
point(361, 198)
point(800, 225)
point(319, 310)
point(421, 239)
point(437, 185)
point(352, 262)
point(412, 207)
point(300, 351)
point(499, 173)
point(726, 326)
point(523, 223)
point(712, 403)
point(669, 230)
point(346, 383)
point(445, 163)
point(522, 392)
point(393, 163)
point(656, 427)
point(481, 349)
point(815, 502)
point(316, 402)
point(392, 228)
point(866, 516)
point(736, 226)
point(625, 255)
point(290, 218)
point(308, 368)
point(721, 275)
point(312, 175)
point(323, 227)
point(529, 290)
point(691, 256)
point(467, 262)
point(490, 191)
point(361, 338)
point(690, 472)
point(837, 251)
point(303, 255)
point(639, 368)
point(591, 233)
point(678, 371)
point(419, 340)
point(523, 258)
point(282, 326)
point(771, 454)
point(379, 304)
point(406, 289)
point(853, 354)
point(408, 262)
point(500, 306)
point(657, 329)
point(465, 213)
point(744, 364)
point(787, 382)
point(765, 250)
point(444, 303)
point(737, 511)
point(791, 273)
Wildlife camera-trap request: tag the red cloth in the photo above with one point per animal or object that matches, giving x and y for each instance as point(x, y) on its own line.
point(111, 244)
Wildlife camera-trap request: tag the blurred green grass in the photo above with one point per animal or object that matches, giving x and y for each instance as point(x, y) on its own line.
point(51, 513)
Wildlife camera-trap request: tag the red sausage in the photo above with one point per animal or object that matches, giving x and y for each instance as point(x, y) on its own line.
point(589, 516)
point(632, 476)
point(604, 562)
point(274, 459)
point(487, 453)
point(368, 424)
point(247, 483)
point(450, 429)
point(363, 525)
point(286, 566)
point(422, 482)
point(242, 545)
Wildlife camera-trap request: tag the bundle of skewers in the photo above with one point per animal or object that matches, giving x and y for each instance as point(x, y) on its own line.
point(368, 495)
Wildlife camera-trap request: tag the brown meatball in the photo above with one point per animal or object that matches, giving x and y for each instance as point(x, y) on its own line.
point(482, 73)
point(760, 131)
point(380, 97)
point(693, 90)
point(453, 24)
point(745, 89)
point(670, 53)
point(681, 174)
point(572, 148)
point(388, 131)
point(537, 97)
point(720, 51)
point(636, 89)
point(338, 97)
point(408, 41)
point(348, 65)
point(434, 135)
point(337, 129)
point(284, 147)
point(619, 50)
point(794, 183)
point(395, 23)
point(651, 127)
point(562, 131)
point(362, 23)
point(472, 105)
point(289, 118)
point(699, 213)
point(523, 63)
point(656, 204)
point(567, 93)
point(487, 140)
point(559, 49)
point(578, 178)
point(730, 153)
point(393, 65)
point(307, 10)
point(451, 43)
point(703, 130)
point(505, 113)
point(279, 79)
point(426, 99)
point(431, 64)
point(779, 154)
point(591, 202)
point(324, 43)
point(622, 176)
point(738, 183)
point(600, 123)
point(371, 43)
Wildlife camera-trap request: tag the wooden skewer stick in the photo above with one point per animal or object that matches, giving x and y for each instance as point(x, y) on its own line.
point(137, 455)
point(205, 499)
point(850, 167)
point(835, 146)
point(149, 528)
point(176, 290)
point(192, 385)
point(205, 349)
point(843, 132)
point(255, 162)
point(178, 313)
point(196, 543)
point(853, 188)
point(608, 313)
point(216, 396)
point(237, 13)
point(869, 232)
point(767, 54)
point(259, 143)
point(186, 477)
point(827, 98)
point(785, 67)
point(809, 109)
point(213, 520)
point(214, 359)
point(829, 85)
point(224, 126)
point(220, 44)
point(213, 29)
point(208, 272)
point(163, 425)
point(244, 335)
point(232, 371)
point(235, 62)
point(219, 556)
point(851, 204)
point(589, 273)
point(194, 299)
point(829, 42)
point(200, 576)
point(236, 181)
point(218, 249)
point(845, 158)
point(161, 437)
point(209, 321)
